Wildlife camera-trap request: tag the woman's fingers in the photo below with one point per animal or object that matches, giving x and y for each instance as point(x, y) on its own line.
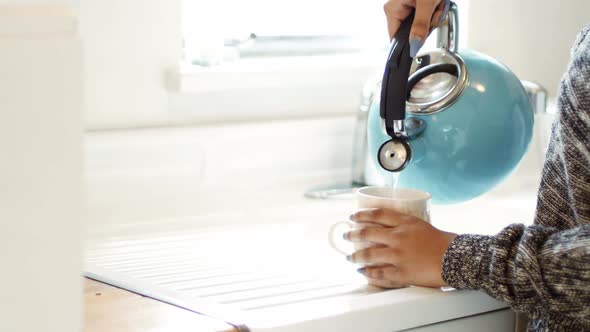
point(385, 217)
point(386, 276)
point(381, 235)
point(441, 11)
point(421, 25)
point(435, 21)
point(385, 283)
point(375, 255)
point(396, 12)
point(428, 14)
point(390, 273)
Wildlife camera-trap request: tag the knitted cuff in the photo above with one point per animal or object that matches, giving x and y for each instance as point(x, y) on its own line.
point(464, 260)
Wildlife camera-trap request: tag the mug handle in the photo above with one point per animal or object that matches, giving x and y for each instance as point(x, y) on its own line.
point(336, 244)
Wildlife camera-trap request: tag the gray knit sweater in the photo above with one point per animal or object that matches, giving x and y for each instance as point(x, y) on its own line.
point(544, 269)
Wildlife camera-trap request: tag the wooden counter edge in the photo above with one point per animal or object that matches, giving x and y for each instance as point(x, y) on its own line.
point(108, 308)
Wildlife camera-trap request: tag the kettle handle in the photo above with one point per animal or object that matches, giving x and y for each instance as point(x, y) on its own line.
point(395, 78)
point(397, 69)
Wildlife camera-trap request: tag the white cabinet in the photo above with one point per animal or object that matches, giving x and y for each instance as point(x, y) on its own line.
point(40, 169)
point(500, 320)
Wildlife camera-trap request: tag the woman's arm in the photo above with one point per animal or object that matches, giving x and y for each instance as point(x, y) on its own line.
point(564, 192)
point(534, 269)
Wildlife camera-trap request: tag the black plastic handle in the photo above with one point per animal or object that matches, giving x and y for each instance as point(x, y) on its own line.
point(395, 78)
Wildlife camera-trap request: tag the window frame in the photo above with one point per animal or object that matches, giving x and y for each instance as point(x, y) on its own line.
point(270, 88)
point(275, 87)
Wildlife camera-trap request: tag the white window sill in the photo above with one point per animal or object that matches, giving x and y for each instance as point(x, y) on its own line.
point(277, 72)
point(271, 87)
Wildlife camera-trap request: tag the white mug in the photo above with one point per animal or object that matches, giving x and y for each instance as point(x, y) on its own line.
point(407, 201)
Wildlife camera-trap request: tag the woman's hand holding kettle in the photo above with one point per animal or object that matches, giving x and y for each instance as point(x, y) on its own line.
point(429, 14)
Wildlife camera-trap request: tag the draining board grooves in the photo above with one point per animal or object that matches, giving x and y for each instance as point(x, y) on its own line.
point(236, 271)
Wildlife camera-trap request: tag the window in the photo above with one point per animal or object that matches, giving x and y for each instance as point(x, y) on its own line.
point(255, 59)
point(217, 32)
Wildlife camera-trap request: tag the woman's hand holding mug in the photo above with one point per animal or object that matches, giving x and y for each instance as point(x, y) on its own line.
point(409, 250)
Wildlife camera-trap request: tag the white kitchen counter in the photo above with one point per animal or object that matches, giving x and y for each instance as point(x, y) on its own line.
point(177, 216)
point(291, 241)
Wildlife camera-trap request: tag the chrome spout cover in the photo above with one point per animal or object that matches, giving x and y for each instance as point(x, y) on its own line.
point(395, 155)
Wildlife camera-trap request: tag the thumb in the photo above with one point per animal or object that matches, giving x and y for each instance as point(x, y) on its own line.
point(421, 25)
point(396, 12)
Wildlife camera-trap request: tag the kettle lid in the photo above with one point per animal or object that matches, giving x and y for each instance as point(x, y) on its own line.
point(437, 79)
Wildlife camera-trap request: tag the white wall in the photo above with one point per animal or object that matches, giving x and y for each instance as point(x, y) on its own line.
point(40, 170)
point(132, 48)
point(129, 45)
point(153, 175)
point(532, 37)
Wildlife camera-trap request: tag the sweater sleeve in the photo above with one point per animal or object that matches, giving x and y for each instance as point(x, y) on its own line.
point(544, 269)
point(534, 269)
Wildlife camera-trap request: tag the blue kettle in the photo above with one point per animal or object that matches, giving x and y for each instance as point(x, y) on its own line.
point(452, 123)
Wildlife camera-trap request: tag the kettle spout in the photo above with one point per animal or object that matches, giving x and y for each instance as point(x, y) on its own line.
point(395, 155)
